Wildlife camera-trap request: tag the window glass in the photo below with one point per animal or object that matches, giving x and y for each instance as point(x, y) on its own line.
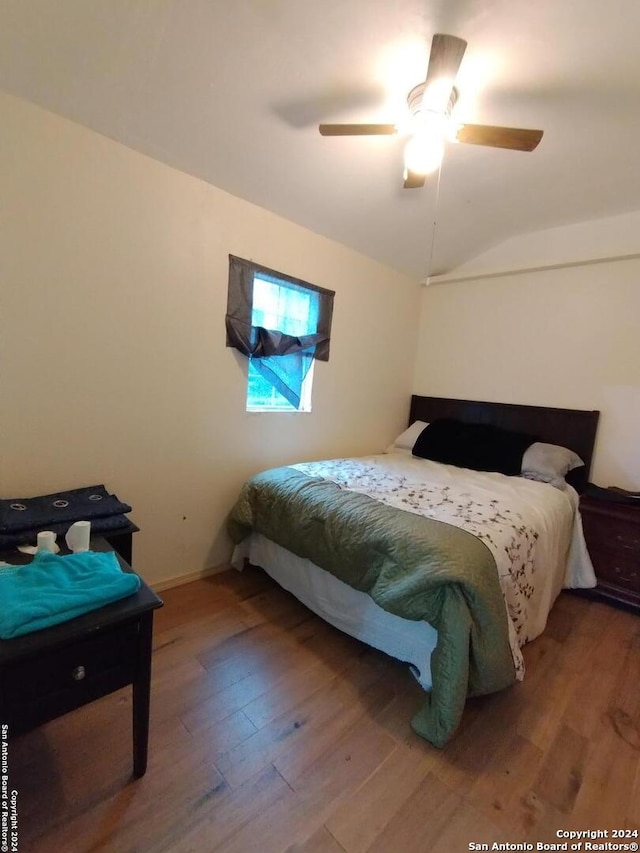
point(263, 397)
point(289, 309)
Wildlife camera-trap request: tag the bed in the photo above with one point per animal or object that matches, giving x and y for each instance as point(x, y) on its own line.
point(449, 569)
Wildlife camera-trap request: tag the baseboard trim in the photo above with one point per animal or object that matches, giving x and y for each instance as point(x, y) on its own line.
point(179, 580)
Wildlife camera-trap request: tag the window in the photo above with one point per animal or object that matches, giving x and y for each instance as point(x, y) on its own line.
point(294, 311)
point(263, 397)
point(282, 325)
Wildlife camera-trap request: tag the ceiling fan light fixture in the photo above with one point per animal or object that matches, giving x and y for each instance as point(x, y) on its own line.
point(424, 152)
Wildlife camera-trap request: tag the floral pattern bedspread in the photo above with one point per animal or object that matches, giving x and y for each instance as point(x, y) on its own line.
point(477, 502)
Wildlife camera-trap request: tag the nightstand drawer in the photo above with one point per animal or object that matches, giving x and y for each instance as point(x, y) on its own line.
point(614, 533)
point(620, 568)
point(41, 688)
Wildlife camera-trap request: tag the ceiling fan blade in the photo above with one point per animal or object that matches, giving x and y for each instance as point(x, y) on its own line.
point(357, 129)
point(445, 57)
point(413, 180)
point(518, 139)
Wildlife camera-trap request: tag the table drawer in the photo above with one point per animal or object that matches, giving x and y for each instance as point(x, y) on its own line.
point(615, 533)
point(38, 689)
point(620, 568)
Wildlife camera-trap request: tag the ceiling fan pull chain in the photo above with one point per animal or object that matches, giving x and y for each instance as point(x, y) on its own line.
point(433, 230)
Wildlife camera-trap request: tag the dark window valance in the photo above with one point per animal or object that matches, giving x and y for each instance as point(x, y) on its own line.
point(256, 341)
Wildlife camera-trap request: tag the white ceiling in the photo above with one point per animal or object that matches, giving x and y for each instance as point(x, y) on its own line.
point(232, 91)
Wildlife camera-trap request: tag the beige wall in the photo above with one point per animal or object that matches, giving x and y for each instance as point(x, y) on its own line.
point(565, 337)
point(113, 360)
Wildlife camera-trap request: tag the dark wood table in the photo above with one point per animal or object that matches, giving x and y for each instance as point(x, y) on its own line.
point(612, 533)
point(48, 673)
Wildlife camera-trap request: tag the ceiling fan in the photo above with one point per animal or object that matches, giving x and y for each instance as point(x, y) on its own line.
point(430, 106)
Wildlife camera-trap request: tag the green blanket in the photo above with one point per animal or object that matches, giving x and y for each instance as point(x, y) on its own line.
point(414, 567)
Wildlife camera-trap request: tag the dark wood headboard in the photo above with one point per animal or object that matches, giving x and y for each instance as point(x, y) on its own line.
point(572, 428)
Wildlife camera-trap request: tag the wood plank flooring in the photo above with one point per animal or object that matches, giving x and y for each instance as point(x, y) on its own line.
point(271, 731)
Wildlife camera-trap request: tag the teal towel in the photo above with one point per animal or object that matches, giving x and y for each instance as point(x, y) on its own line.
point(54, 589)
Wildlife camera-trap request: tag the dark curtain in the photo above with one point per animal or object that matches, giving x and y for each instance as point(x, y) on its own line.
point(257, 342)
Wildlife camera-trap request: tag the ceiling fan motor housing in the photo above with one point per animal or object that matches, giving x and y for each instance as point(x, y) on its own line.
point(416, 96)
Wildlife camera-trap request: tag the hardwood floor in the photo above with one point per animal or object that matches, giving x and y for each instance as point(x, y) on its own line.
point(271, 731)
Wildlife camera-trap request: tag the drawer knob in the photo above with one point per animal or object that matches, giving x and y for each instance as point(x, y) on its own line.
point(625, 577)
point(78, 673)
point(627, 541)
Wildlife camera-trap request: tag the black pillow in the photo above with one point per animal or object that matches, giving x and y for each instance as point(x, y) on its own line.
point(481, 447)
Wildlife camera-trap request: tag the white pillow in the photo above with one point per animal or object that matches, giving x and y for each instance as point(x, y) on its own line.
point(549, 463)
point(408, 438)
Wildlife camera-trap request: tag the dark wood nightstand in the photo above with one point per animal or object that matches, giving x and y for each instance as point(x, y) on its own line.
point(612, 532)
point(48, 673)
